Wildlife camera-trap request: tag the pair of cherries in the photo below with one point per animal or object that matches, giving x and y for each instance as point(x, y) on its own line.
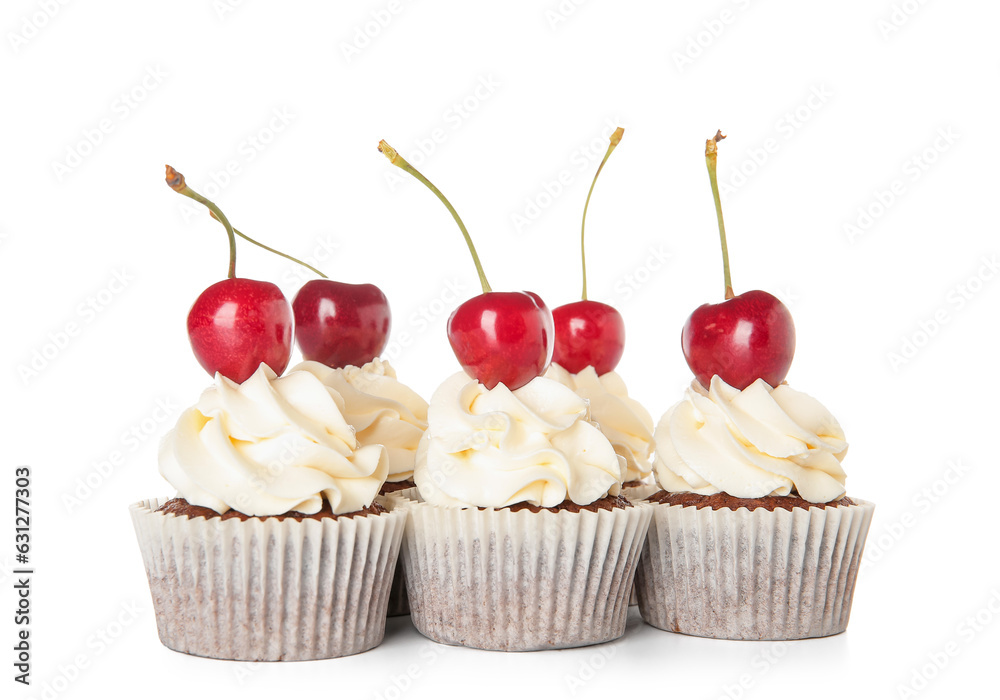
point(510, 337)
point(239, 323)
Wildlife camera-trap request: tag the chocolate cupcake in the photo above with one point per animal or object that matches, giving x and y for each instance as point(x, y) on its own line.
point(517, 536)
point(752, 535)
point(386, 412)
point(277, 546)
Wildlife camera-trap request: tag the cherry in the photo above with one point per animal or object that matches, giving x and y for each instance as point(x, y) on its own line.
point(337, 323)
point(498, 337)
point(750, 336)
point(236, 324)
point(341, 324)
point(502, 337)
point(746, 337)
point(589, 333)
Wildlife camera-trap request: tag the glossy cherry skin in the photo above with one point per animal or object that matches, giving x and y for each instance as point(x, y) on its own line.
point(237, 324)
point(742, 339)
point(588, 333)
point(341, 324)
point(502, 338)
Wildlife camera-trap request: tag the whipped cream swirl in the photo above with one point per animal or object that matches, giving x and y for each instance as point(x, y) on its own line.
point(621, 418)
point(271, 445)
point(497, 447)
point(750, 444)
point(383, 410)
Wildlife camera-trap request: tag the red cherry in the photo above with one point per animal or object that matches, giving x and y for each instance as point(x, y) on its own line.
point(237, 324)
point(747, 337)
point(498, 337)
point(502, 337)
point(742, 339)
point(341, 324)
point(588, 333)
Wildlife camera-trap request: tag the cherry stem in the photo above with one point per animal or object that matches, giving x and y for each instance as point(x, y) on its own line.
point(176, 182)
point(272, 250)
point(615, 139)
point(711, 152)
point(400, 162)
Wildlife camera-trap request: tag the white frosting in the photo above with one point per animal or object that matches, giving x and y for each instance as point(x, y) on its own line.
point(271, 445)
point(622, 419)
point(382, 410)
point(497, 447)
point(751, 443)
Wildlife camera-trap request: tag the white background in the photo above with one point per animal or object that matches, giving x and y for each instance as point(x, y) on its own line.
point(826, 106)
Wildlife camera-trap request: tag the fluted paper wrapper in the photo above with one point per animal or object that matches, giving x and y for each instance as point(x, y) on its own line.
point(767, 575)
point(268, 590)
point(399, 604)
point(635, 494)
point(520, 581)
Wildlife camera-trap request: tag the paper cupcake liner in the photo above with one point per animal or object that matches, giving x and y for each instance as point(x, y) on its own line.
point(399, 601)
point(520, 581)
point(268, 590)
point(768, 575)
point(399, 604)
point(635, 494)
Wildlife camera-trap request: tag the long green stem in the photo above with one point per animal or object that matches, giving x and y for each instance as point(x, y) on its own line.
point(272, 250)
point(711, 153)
point(177, 184)
point(400, 162)
point(615, 139)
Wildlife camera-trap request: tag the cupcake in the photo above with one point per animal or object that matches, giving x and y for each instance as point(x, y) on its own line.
point(622, 419)
point(277, 546)
point(752, 535)
point(382, 410)
point(386, 412)
point(518, 537)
